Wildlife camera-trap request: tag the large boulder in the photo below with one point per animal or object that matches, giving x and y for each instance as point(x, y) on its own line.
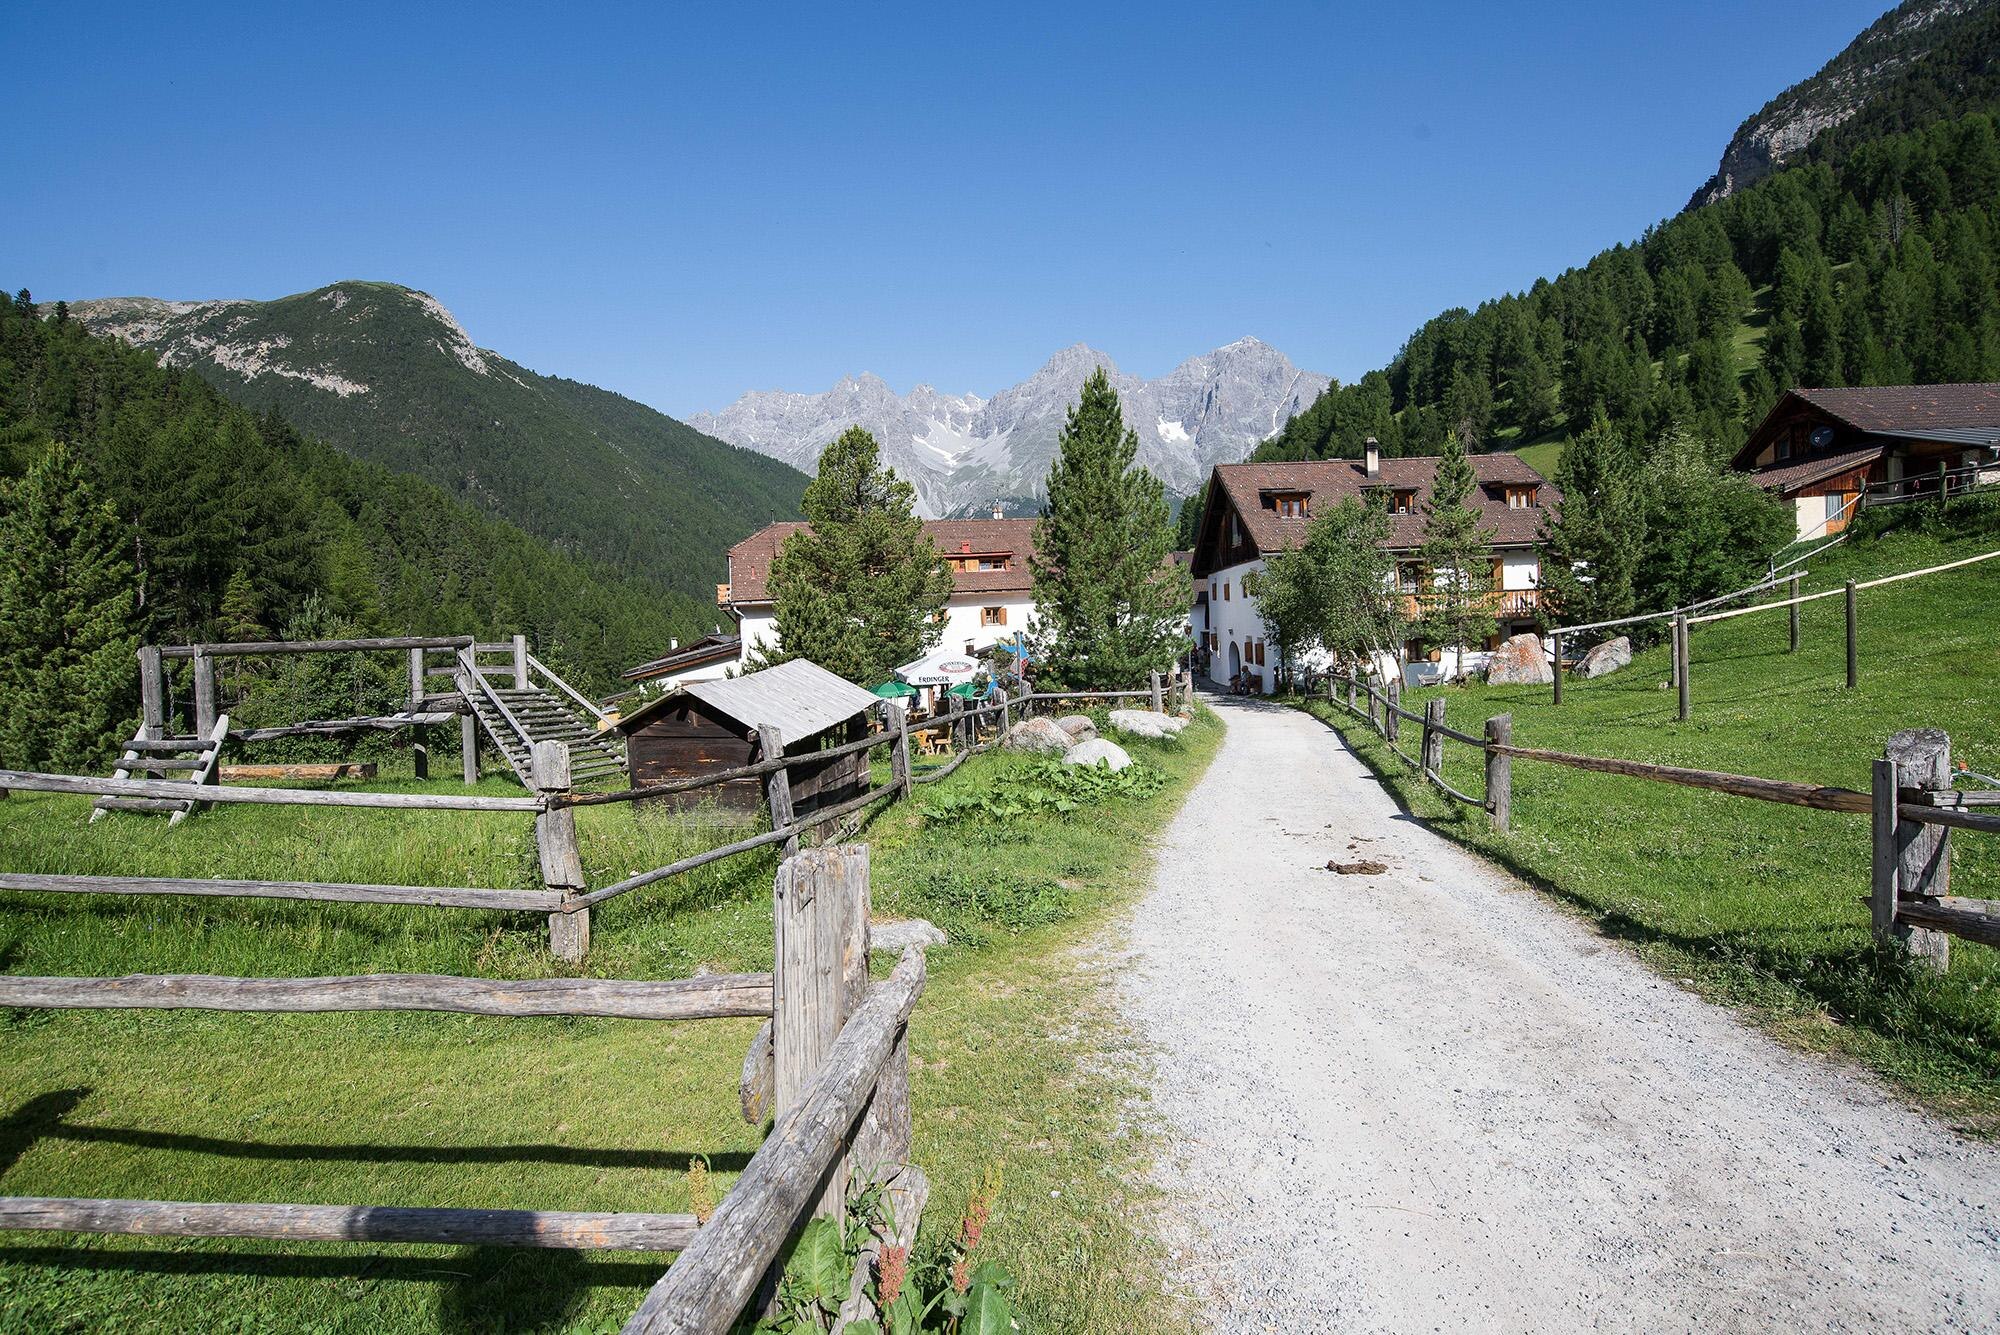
point(1095, 750)
point(1606, 658)
point(1145, 723)
point(1078, 726)
point(1521, 661)
point(1037, 734)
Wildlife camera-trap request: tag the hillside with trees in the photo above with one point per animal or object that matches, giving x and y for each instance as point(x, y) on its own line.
point(138, 504)
point(1875, 260)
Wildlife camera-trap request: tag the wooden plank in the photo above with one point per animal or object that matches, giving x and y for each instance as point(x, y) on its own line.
point(1792, 615)
point(520, 647)
point(1433, 741)
point(262, 648)
point(580, 1230)
point(754, 1087)
point(332, 770)
point(528, 901)
point(717, 996)
point(1499, 771)
point(1853, 638)
point(152, 692)
point(1556, 667)
point(1682, 663)
point(420, 739)
point(561, 859)
point(1882, 850)
point(777, 784)
point(204, 694)
point(1951, 916)
point(1738, 785)
point(301, 797)
point(705, 1291)
point(1922, 757)
point(820, 910)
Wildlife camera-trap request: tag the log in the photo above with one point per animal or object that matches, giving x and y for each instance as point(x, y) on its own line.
point(301, 797)
point(777, 784)
point(152, 692)
point(1682, 662)
point(1433, 743)
point(646, 878)
point(1924, 813)
point(257, 648)
point(753, 1089)
point(717, 996)
point(899, 753)
point(528, 901)
point(1792, 614)
point(204, 694)
point(1922, 757)
point(561, 860)
point(1882, 850)
point(420, 738)
point(1853, 640)
point(706, 1289)
point(1499, 771)
point(1973, 920)
point(820, 973)
point(594, 1231)
point(1739, 785)
point(335, 770)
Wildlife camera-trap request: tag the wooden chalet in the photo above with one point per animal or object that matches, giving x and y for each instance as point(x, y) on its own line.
point(705, 726)
point(1829, 451)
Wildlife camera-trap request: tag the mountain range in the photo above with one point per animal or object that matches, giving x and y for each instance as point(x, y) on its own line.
point(388, 375)
point(965, 453)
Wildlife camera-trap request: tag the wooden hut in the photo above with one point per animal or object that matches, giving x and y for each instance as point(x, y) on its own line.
point(706, 726)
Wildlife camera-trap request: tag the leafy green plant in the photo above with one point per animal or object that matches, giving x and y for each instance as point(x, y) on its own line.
point(1045, 787)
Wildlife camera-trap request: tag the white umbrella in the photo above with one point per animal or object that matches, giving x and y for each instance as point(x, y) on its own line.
point(940, 669)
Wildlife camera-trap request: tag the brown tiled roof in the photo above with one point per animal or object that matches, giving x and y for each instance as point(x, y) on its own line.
point(1908, 408)
point(1327, 481)
point(707, 649)
point(750, 560)
point(1817, 468)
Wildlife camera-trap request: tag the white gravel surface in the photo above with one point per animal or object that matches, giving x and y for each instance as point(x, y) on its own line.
point(1424, 1100)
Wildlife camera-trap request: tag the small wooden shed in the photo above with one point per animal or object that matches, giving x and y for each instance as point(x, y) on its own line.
point(706, 726)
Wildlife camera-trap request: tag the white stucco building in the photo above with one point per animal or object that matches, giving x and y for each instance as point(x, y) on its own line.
point(992, 589)
point(1257, 510)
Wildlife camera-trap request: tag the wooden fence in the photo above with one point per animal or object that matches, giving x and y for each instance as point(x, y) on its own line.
point(832, 1061)
point(1912, 808)
point(565, 894)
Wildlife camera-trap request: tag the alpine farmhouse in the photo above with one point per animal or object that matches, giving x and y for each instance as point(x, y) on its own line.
point(1256, 510)
point(992, 596)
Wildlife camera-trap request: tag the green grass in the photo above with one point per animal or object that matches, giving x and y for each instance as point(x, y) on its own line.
point(1754, 904)
point(1013, 1061)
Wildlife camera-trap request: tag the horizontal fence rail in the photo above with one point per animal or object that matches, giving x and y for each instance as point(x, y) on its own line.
point(89, 785)
point(527, 901)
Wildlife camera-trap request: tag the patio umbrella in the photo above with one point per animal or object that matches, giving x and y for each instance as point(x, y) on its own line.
point(965, 690)
point(893, 690)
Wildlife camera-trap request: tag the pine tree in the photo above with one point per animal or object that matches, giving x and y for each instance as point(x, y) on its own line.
point(862, 590)
point(1109, 603)
point(66, 643)
point(1591, 541)
point(1457, 558)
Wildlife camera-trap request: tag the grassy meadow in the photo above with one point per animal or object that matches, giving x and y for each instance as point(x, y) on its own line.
point(1015, 1059)
point(1757, 905)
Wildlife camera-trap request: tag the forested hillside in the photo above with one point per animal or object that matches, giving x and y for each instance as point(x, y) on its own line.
point(127, 486)
point(1875, 262)
point(388, 375)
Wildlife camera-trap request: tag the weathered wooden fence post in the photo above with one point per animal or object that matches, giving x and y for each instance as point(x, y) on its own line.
point(1499, 771)
point(1556, 667)
point(1882, 847)
point(1793, 610)
point(420, 734)
point(562, 860)
point(899, 749)
point(1681, 664)
point(1158, 705)
point(1350, 691)
point(1372, 721)
point(777, 784)
point(520, 662)
point(152, 696)
point(1922, 757)
point(468, 728)
point(818, 975)
point(1433, 746)
point(1392, 722)
point(1853, 646)
point(204, 693)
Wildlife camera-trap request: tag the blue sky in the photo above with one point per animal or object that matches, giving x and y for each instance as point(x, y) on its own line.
point(686, 203)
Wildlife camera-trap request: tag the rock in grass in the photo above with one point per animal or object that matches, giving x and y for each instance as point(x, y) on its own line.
point(1606, 658)
point(1037, 734)
point(1095, 750)
point(1519, 662)
point(1145, 723)
point(1078, 726)
point(904, 933)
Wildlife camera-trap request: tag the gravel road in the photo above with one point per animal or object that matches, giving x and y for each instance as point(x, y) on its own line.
point(1425, 1100)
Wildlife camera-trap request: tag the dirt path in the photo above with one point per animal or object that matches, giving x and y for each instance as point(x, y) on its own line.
point(1424, 1100)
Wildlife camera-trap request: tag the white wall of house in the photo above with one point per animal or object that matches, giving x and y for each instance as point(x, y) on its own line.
point(715, 671)
point(1235, 620)
point(1519, 570)
point(965, 622)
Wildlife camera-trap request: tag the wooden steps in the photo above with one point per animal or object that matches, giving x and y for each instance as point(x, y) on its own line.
point(516, 717)
point(150, 757)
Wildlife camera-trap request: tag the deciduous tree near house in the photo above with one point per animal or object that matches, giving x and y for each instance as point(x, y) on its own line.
point(66, 643)
point(1453, 610)
point(862, 591)
point(1108, 602)
point(1591, 541)
point(1334, 593)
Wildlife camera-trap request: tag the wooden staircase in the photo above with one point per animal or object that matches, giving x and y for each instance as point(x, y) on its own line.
point(180, 759)
point(522, 712)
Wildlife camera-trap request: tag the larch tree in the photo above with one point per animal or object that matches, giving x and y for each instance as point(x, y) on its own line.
point(1110, 604)
point(1457, 558)
point(861, 590)
point(66, 643)
point(1592, 538)
point(1334, 593)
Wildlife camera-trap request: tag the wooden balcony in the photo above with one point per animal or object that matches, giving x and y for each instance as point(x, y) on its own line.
point(722, 595)
point(1502, 604)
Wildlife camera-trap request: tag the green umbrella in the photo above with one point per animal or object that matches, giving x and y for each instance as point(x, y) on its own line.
point(893, 690)
point(965, 690)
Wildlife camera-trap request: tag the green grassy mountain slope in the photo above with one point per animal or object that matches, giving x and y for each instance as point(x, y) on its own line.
point(387, 375)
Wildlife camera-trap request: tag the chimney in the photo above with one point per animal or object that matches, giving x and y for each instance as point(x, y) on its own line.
point(1372, 459)
point(673, 644)
point(998, 511)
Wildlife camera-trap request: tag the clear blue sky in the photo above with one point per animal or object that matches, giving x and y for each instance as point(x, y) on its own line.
point(686, 203)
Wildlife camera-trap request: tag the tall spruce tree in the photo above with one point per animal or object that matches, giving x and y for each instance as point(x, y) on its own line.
point(862, 590)
point(1457, 558)
point(66, 643)
point(1109, 604)
point(1592, 539)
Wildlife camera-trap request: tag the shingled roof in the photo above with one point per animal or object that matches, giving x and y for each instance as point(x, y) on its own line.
point(1327, 481)
point(1961, 414)
point(750, 560)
